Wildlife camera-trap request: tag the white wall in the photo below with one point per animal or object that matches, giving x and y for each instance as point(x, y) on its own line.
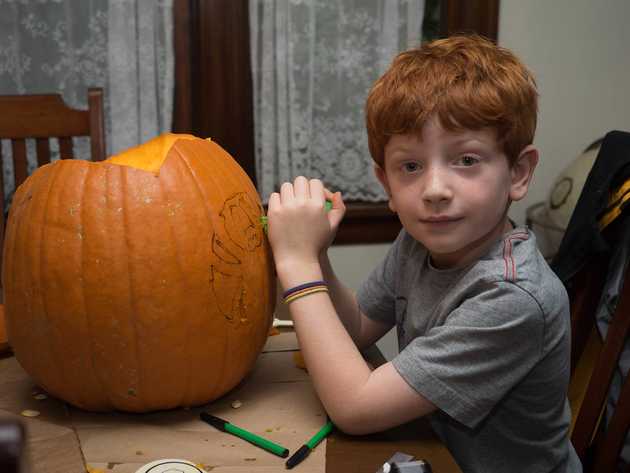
point(352, 264)
point(579, 51)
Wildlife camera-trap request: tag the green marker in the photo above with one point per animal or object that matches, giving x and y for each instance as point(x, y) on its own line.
point(263, 219)
point(225, 426)
point(305, 449)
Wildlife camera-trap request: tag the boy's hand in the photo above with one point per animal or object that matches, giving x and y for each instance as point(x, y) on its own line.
point(299, 228)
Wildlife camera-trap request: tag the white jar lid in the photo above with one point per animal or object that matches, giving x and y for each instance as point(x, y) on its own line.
point(170, 465)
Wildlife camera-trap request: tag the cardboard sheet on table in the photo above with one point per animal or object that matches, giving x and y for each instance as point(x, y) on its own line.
point(285, 416)
point(52, 446)
point(284, 341)
point(277, 402)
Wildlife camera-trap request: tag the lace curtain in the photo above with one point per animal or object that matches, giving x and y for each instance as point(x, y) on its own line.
point(313, 62)
point(66, 46)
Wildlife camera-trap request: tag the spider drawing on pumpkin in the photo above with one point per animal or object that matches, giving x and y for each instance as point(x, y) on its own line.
point(242, 234)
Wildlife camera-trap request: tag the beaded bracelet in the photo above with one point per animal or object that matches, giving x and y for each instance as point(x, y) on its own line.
point(302, 290)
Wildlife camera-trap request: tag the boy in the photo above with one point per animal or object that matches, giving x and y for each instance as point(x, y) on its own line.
point(483, 323)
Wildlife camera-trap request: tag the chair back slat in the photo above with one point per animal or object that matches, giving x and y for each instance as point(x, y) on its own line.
point(97, 126)
point(591, 442)
point(587, 286)
point(40, 116)
point(18, 148)
point(65, 148)
point(2, 158)
point(43, 151)
point(609, 445)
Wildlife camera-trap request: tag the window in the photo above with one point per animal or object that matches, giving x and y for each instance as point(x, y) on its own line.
point(213, 89)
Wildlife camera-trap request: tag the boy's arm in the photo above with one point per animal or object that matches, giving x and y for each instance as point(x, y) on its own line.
point(357, 399)
point(363, 330)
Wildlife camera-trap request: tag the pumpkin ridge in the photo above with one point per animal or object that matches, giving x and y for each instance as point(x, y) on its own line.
point(226, 382)
point(10, 242)
point(185, 395)
point(54, 355)
point(218, 176)
point(133, 316)
point(88, 322)
point(23, 255)
point(212, 216)
point(236, 178)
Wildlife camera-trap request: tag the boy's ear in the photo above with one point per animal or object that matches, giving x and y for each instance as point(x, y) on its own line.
point(522, 171)
point(382, 177)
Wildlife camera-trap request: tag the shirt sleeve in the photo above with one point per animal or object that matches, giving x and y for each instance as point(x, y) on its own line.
point(376, 296)
point(485, 347)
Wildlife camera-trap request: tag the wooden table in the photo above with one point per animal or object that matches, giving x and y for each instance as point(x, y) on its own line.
point(344, 453)
point(366, 454)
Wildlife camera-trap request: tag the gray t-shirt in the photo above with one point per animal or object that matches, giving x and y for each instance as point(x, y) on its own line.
point(489, 345)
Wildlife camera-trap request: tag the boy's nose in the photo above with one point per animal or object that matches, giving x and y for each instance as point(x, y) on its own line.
point(436, 187)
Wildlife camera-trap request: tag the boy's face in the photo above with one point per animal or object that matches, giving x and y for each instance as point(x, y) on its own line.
point(451, 189)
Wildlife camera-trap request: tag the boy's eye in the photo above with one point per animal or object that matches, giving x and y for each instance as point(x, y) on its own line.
point(411, 167)
point(468, 160)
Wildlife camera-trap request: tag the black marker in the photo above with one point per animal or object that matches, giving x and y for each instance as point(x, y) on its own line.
point(305, 449)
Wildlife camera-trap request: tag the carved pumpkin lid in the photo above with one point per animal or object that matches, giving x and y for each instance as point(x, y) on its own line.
point(149, 156)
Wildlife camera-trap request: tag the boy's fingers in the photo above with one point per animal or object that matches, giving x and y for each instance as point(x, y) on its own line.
point(338, 207)
point(337, 201)
point(335, 216)
point(317, 190)
point(274, 201)
point(286, 192)
point(300, 188)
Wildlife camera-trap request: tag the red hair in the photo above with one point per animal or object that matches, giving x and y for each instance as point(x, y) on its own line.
point(468, 82)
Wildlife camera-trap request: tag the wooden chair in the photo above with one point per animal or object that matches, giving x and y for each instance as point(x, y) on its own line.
point(41, 117)
point(593, 363)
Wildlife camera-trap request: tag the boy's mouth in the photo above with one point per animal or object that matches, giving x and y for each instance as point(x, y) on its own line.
point(440, 219)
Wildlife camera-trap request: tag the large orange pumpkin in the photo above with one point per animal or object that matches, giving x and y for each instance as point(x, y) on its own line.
point(143, 282)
